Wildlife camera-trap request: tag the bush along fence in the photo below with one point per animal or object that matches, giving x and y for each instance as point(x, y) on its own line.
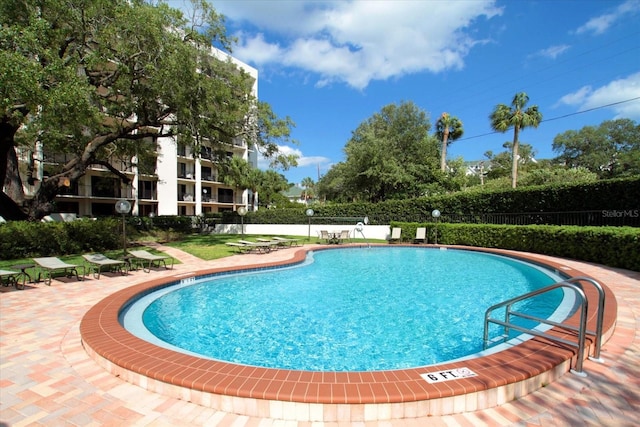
point(602, 203)
point(612, 246)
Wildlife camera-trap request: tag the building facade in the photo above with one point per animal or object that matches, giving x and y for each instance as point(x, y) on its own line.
point(177, 181)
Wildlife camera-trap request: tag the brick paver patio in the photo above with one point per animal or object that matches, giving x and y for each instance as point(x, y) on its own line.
point(46, 377)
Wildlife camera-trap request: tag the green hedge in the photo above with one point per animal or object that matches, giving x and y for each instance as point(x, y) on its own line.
point(21, 239)
point(606, 195)
point(612, 246)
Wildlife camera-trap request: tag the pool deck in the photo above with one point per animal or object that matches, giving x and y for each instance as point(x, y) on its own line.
point(47, 377)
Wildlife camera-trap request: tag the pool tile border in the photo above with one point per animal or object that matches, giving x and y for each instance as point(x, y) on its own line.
point(328, 396)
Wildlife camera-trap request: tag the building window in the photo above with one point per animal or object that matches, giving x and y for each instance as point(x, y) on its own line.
point(225, 195)
point(182, 170)
point(207, 174)
point(105, 187)
point(147, 190)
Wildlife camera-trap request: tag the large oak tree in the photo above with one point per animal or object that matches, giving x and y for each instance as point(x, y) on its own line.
point(94, 78)
point(610, 150)
point(389, 156)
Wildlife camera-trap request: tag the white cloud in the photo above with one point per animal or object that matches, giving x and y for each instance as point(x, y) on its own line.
point(303, 161)
point(599, 24)
point(625, 89)
point(358, 41)
point(552, 52)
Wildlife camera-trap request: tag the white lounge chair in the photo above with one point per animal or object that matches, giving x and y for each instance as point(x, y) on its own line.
point(421, 235)
point(240, 247)
point(274, 244)
point(261, 247)
point(12, 278)
point(147, 259)
point(50, 265)
point(283, 240)
point(98, 261)
point(396, 234)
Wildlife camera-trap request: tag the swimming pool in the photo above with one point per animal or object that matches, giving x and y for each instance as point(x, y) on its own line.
point(361, 309)
point(498, 377)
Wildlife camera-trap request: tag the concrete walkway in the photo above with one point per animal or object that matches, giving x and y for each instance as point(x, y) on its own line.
point(47, 379)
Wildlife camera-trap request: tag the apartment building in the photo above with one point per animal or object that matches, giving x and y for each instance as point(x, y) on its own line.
point(177, 181)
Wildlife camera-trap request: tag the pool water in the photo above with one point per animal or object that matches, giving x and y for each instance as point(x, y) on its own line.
point(353, 309)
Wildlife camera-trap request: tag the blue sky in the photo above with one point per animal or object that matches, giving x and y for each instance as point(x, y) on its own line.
point(330, 65)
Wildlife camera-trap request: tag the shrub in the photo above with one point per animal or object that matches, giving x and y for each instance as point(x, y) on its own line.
point(20, 239)
point(612, 246)
point(605, 195)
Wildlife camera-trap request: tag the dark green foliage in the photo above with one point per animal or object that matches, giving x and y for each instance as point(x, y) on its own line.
point(599, 196)
point(181, 224)
point(20, 239)
point(612, 246)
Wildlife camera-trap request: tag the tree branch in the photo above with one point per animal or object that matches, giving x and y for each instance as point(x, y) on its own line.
point(113, 170)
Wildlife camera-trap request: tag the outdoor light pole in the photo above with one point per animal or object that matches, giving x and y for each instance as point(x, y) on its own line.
point(309, 212)
point(242, 211)
point(436, 214)
point(123, 207)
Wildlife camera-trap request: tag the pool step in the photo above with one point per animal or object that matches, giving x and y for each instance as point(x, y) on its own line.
point(500, 338)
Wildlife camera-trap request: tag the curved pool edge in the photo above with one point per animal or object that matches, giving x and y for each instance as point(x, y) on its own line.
point(327, 396)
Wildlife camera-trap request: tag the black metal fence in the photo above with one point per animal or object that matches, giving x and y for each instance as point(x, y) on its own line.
point(616, 218)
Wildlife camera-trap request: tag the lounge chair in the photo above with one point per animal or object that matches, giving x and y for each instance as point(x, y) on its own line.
point(283, 240)
point(274, 245)
point(421, 235)
point(12, 278)
point(396, 233)
point(147, 259)
point(240, 247)
point(261, 247)
point(50, 265)
point(98, 261)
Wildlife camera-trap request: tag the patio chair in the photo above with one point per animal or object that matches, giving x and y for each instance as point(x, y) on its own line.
point(12, 278)
point(50, 265)
point(324, 235)
point(396, 233)
point(97, 261)
point(344, 236)
point(421, 235)
point(147, 259)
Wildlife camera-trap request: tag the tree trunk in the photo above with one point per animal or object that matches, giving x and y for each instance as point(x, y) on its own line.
point(11, 199)
point(7, 133)
point(443, 157)
point(514, 158)
point(12, 181)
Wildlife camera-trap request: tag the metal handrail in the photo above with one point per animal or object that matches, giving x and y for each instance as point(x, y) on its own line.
point(599, 313)
point(507, 324)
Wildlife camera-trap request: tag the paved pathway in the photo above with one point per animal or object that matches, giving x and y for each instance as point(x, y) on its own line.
point(47, 379)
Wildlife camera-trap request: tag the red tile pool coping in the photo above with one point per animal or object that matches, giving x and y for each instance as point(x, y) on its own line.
point(332, 396)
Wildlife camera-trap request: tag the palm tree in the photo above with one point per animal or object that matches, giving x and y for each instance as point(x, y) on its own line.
point(235, 173)
point(448, 129)
point(505, 117)
point(308, 185)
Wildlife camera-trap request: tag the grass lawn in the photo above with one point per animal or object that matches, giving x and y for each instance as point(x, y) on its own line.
point(212, 246)
point(204, 246)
